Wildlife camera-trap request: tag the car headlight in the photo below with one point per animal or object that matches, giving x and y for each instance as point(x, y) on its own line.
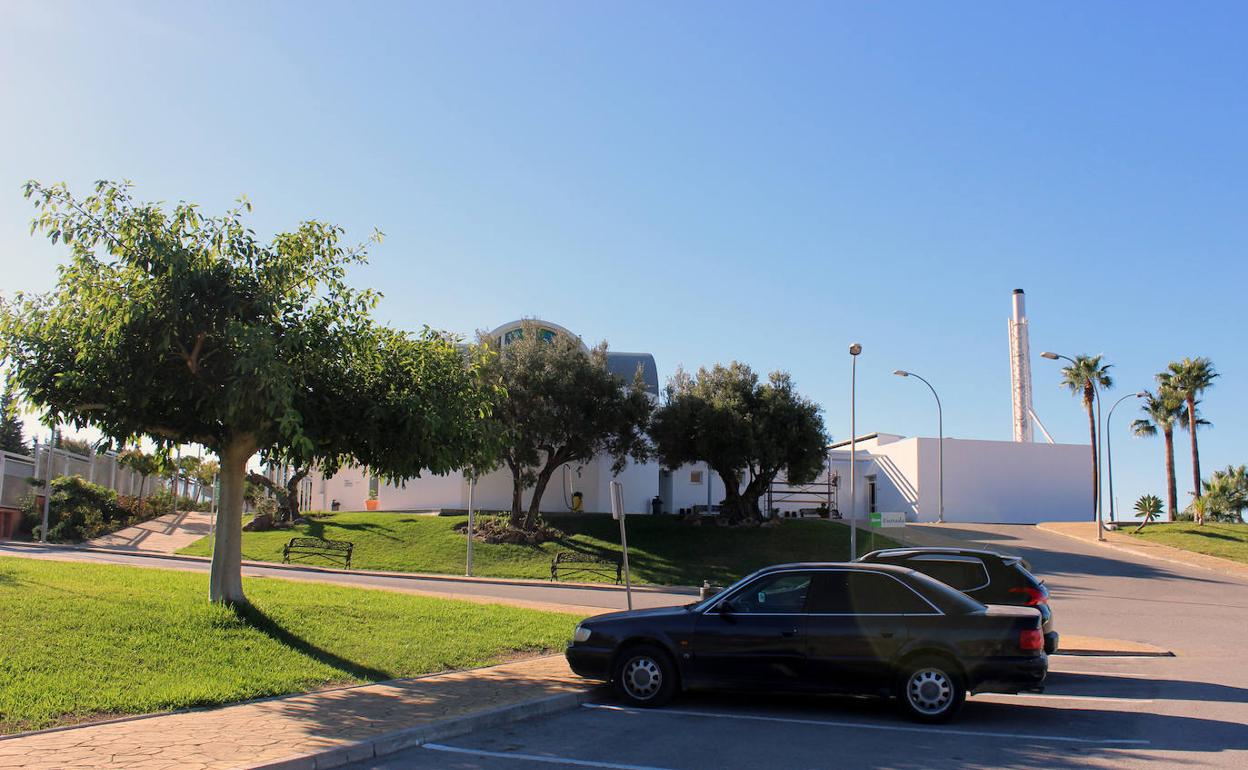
point(581, 634)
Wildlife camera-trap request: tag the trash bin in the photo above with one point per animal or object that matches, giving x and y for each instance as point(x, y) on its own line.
point(335, 505)
point(656, 506)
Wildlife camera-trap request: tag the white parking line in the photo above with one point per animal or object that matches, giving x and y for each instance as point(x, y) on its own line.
point(1058, 696)
point(870, 726)
point(543, 758)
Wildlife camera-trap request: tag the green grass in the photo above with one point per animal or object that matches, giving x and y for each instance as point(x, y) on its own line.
point(1230, 541)
point(662, 550)
point(83, 641)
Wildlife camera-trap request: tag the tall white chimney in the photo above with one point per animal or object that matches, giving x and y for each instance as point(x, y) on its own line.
point(1020, 369)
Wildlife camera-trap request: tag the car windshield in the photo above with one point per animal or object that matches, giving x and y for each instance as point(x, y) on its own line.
point(950, 600)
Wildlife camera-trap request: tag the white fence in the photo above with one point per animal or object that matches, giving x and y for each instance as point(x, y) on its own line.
point(103, 469)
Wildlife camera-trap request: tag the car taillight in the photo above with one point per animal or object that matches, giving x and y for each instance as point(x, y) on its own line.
point(1030, 640)
point(1032, 596)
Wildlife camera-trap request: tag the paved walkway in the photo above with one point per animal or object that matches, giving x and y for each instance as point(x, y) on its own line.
point(163, 534)
point(348, 721)
point(583, 598)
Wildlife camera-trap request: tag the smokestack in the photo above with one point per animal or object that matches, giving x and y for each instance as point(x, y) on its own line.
point(1020, 368)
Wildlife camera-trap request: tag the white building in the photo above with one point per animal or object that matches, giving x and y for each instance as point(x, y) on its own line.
point(984, 481)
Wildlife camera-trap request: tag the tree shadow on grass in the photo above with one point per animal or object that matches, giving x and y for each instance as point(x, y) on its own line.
point(316, 528)
point(255, 617)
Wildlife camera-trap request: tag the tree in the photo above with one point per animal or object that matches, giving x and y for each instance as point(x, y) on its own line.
point(189, 329)
point(143, 464)
point(1227, 491)
point(287, 496)
point(12, 435)
point(76, 446)
point(561, 405)
point(1083, 378)
point(1148, 507)
point(1163, 408)
point(745, 430)
point(1190, 378)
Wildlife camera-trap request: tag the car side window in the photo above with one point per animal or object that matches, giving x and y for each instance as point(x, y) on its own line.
point(962, 574)
point(784, 593)
point(847, 592)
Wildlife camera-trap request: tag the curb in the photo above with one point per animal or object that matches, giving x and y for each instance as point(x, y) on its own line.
point(389, 743)
point(1116, 653)
point(1230, 571)
point(525, 582)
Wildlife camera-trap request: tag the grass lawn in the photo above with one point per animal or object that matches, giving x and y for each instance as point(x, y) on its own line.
point(662, 549)
point(1230, 541)
point(84, 641)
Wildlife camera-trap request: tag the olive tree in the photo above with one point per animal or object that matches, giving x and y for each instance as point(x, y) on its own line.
point(745, 430)
point(188, 328)
point(561, 404)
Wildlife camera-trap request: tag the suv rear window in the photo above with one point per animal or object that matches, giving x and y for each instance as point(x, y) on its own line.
point(965, 573)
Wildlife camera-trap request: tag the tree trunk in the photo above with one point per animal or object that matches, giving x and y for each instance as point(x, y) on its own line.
point(539, 489)
point(517, 497)
point(225, 582)
point(1096, 477)
point(1191, 429)
point(292, 492)
point(736, 509)
point(1171, 485)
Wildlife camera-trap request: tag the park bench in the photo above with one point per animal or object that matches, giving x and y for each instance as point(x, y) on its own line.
point(304, 548)
point(572, 564)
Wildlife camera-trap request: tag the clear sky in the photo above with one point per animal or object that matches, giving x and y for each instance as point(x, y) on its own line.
point(764, 182)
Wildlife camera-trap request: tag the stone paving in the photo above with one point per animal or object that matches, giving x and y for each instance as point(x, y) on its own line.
point(268, 731)
point(163, 534)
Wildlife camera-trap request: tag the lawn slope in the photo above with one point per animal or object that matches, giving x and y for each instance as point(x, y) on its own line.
point(82, 641)
point(1229, 541)
point(662, 549)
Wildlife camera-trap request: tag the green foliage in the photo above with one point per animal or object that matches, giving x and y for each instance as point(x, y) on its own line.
point(1225, 495)
point(83, 641)
point(79, 510)
point(662, 550)
point(559, 404)
point(1190, 378)
point(1085, 375)
point(725, 417)
point(1227, 541)
point(1147, 507)
point(1163, 408)
point(12, 435)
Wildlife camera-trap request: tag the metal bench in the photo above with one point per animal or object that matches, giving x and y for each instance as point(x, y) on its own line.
point(572, 564)
point(304, 548)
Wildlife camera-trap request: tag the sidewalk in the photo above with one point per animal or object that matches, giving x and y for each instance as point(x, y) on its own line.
point(1086, 531)
point(313, 730)
point(163, 534)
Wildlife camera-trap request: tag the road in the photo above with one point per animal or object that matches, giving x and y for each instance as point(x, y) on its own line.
point(1186, 711)
point(578, 598)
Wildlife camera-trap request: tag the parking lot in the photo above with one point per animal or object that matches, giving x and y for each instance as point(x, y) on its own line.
point(1123, 712)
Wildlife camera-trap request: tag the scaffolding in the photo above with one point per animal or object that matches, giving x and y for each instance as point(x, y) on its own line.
point(785, 498)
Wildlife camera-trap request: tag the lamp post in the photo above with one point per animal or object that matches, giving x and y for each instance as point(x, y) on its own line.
point(940, 432)
point(1109, 450)
point(1096, 393)
point(854, 350)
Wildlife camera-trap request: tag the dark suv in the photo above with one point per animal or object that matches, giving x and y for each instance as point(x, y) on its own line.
point(986, 576)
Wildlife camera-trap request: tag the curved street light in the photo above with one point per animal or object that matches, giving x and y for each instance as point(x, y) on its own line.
point(940, 453)
point(1109, 450)
point(1096, 393)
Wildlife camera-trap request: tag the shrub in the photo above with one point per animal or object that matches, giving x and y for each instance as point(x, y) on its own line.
point(79, 510)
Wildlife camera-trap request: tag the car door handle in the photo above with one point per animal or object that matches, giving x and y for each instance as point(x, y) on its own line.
point(789, 632)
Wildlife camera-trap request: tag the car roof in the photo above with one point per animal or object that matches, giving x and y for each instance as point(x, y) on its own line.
point(889, 568)
point(918, 550)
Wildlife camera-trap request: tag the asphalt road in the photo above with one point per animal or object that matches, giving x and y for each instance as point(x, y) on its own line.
point(1186, 711)
point(576, 598)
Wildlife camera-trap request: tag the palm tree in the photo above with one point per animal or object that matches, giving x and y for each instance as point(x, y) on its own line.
point(1203, 507)
point(1149, 507)
point(1164, 408)
point(1228, 490)
point(1083, 376)
point(1189, 378)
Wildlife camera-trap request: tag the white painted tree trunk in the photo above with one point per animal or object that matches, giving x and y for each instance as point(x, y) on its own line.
point(225, 582)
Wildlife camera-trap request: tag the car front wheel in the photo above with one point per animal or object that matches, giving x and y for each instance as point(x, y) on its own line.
point(645, 676)
point(931, 690)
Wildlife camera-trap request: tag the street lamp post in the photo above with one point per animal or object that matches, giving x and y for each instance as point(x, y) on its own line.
point(940, 432)
point(1109, 450)
point(854, 350)
point(1096, 394)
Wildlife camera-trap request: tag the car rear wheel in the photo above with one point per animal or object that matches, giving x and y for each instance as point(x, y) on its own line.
point(931, 690)
point(645, 676)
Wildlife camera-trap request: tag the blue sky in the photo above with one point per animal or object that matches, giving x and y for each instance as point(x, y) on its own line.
point(706, 181)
